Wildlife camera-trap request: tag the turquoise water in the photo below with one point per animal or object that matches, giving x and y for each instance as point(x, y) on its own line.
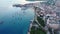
point(14, 20)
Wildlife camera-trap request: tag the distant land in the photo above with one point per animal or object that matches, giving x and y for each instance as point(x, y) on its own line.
point(36, 0)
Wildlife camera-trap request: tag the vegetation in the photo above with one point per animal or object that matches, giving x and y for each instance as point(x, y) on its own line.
point(38, 30)
point(41, 21)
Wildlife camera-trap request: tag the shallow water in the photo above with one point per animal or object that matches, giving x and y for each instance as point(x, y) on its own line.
point(14, 20)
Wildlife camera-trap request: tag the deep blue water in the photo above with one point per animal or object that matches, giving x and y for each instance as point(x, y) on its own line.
point(14, 20)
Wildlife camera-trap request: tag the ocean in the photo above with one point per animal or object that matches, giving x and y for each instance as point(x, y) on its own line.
point(13, 20)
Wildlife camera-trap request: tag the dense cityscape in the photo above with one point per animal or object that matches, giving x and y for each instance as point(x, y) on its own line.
point(30, 17)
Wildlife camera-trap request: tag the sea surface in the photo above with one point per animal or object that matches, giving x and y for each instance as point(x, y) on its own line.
point(13, 20)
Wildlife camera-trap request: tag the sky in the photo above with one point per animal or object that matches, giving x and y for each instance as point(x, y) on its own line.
point(5, 3)
point(15, 2)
